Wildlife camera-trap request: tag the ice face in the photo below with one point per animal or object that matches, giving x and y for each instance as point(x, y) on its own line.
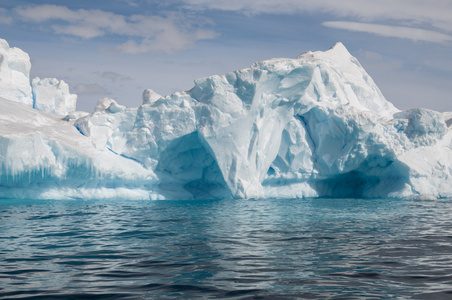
point(314, 126)
point(43, 156)
point(52, 95)
point(49, 94)
point(15, 74)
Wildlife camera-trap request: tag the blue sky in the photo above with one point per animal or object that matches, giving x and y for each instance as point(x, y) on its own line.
point(118, 48)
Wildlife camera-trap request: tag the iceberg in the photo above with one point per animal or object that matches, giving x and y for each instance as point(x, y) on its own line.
point(313, 126)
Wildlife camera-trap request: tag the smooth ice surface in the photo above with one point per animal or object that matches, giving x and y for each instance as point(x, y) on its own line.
point(314, 126)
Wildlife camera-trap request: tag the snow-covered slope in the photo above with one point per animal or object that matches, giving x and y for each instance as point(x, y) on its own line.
point(314, 126)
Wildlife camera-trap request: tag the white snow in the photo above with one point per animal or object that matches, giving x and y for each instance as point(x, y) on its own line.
point(314, 126)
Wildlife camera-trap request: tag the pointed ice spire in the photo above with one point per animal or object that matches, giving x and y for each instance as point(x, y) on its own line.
point(340, 50)
point(338, 53)
point(149, 96)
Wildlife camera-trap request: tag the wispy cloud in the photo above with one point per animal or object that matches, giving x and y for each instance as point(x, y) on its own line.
point(113, 76)
point(372, 55)
point(414, 34)
point(4, 18)
point(90, 89)
point(164, 33)
point(424, 17)
point(436, 12)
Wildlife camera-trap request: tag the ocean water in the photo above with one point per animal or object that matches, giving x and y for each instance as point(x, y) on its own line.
point(234, 249)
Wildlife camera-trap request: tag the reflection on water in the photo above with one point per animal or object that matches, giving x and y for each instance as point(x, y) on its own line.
point(316, 248)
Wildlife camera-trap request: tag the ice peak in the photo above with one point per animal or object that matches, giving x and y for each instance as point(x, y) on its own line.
point(103, 104)
point(339, 50)
point(4, 44)
point(339, 47)
point(337, 54)
point(149, 96)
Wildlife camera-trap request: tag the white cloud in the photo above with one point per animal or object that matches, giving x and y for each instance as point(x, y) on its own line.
point(45, 12)
point(82, 31)
point(414, 34)
point(90, 89)
point(372, 55)
point(4, 18)
point(433, 15)
point(432, 11)
point(438, 63)
point(165, 34)
point(169, 33)
point(113, 76)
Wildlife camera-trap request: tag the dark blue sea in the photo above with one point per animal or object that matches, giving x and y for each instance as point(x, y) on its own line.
point(232, 249)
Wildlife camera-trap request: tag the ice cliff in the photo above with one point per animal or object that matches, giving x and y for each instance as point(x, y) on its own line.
point(15, 74)
point(314, 126)
point(49, 94)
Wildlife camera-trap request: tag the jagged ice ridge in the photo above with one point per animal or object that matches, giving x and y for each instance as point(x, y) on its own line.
point(314, 126)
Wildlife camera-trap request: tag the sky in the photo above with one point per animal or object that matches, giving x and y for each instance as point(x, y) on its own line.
point(118, 48)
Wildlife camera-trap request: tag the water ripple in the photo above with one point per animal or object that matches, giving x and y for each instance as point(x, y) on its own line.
point(234, 249)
